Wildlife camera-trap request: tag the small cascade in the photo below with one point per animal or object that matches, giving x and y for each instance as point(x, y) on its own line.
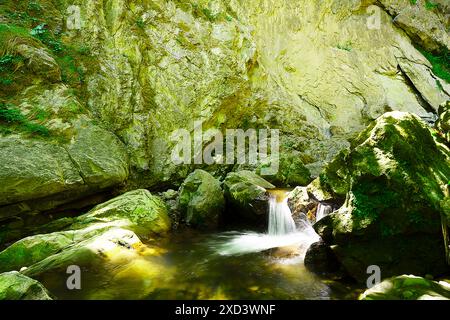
point(282, 232)
point(280, 216)
point(323, 210)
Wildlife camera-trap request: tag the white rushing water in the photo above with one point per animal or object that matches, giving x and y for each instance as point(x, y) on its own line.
point(323, 210)
point(280, 217)
point(282, 232)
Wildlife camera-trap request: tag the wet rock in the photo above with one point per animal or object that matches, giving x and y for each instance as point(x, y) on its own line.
point(201, 200)
point(16, 286)
point(247, 198)
point(320, 259)
point(408, 287)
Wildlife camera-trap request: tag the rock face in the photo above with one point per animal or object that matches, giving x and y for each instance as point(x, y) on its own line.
point(201, 200)
point(408, 288)
point(15, 286)
point(393, 180)
point(116, 225)
point(426, 26)
point(247, 198)
point(318, 72)
point(161, 66)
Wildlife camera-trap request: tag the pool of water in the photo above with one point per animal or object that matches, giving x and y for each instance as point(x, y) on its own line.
point(192, 265)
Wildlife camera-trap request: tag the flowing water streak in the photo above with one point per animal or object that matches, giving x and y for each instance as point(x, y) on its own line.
point(280, 216)
point(323, 210)
point(282, 232)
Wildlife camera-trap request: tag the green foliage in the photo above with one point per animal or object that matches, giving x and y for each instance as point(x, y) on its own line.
point(34, 7)
point(12, 118)
point(346, 46)
point(429, 5)
point(413, 1)
point(42, 33)
point(70, 72)
point(440, 62)
point(140, 23)
point(8, 32)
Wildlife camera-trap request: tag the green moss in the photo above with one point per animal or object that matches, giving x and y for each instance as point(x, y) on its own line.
point(440, 63)
point(8, 32)
point(140, 23)
point(371, 199)
point(42, 33)
point(348, 46)
point(12, 120)
point(429, 5)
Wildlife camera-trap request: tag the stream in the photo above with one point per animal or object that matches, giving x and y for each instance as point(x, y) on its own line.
point(234, 265)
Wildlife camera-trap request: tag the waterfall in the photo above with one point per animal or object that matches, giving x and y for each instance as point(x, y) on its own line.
point(282, 232)
point(323, 210)
point(280, 216)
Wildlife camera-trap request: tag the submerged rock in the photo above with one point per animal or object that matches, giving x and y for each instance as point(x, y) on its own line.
point(16, 286)
point(393, 181)
point(201, 200)
point(408, 288)
point(247, 198)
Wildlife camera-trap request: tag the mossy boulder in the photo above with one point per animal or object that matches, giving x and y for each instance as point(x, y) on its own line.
point(134, 215)
point(138, 211)
point(93, 254)
point(408, 287)
point(393, 181)
point(201, 200)
point(247, 198)
point(16, 286)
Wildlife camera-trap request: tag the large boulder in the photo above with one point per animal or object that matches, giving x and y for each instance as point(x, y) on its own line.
point(408, 288)
point(201, 200)
point(16, 286)
point(247, 198)
point(427, 26)
point(118, 223)
point(53, 157)
point(393, 181)
point(138, 211)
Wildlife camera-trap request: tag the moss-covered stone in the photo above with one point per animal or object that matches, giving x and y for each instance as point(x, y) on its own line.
point(201, 200)
point(393, 180)
point(247, 198)
point(138, 211)
point(116, 225)
point(408, 288)
point(16, 286)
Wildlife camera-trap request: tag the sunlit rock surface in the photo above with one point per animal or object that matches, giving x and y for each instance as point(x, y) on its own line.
point(408, 288)
point(15, 286)
point(132, 216)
